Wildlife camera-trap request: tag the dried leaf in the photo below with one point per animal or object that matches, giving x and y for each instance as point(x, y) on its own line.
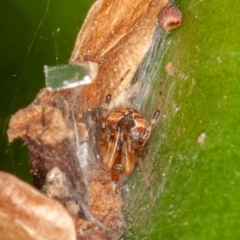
point(27, 214)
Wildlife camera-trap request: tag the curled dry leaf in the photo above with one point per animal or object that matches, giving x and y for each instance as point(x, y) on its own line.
point(61, 128)
point(116, 35)
point(27, 214)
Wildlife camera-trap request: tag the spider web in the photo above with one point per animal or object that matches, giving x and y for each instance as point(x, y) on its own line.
point(47, 39)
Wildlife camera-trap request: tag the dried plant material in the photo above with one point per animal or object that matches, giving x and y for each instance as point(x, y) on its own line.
point(88, 231)
point(116, 35)
point(58, 186)
point(59, 171)
point(105, 204)
point(27, 214)
point(170, 17)
point(62, 129)
point(42, 124)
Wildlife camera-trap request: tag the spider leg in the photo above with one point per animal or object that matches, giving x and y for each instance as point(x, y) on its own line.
point(152, 168)
point(106, 111)
point(157, 111)
point(146, 181)
point(128, 161)
point(109, 159)
point(154, 119)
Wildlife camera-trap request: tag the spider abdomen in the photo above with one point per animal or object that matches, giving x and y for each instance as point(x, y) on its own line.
point(124, 133)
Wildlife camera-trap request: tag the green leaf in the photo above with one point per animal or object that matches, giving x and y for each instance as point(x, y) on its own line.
point(196, 145)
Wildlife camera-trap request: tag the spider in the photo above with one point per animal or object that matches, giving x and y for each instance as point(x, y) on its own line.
point(125, 132)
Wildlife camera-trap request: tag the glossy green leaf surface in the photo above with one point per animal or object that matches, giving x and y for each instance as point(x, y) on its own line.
point(196, 145)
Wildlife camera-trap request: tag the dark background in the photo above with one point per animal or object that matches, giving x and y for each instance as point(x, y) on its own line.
point(33, 34)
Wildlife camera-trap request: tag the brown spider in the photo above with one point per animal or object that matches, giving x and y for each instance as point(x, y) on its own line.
point(125, 131)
